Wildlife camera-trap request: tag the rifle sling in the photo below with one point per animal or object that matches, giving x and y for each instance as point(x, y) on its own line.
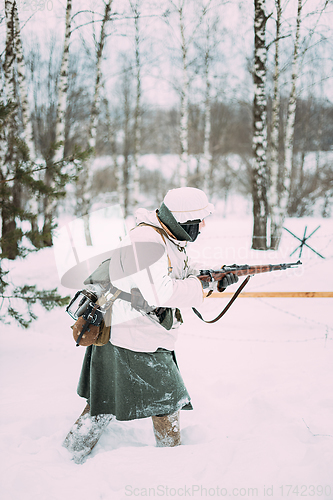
point(233, 298)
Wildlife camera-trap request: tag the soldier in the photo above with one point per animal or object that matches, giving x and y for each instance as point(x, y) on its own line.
point(135, 374)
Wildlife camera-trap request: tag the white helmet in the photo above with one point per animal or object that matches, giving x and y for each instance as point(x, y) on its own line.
point(188, 204)
point(182, 211)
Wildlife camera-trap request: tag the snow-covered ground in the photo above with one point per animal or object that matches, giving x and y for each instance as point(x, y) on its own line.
point(261, 382)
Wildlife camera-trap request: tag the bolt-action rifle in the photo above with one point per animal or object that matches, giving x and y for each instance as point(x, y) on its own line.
point(210, 275)
point(244, 270)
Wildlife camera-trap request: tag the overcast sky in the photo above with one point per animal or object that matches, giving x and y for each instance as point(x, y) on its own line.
point(160, 49)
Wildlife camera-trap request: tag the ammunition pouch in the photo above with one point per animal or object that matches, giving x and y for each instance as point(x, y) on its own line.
point(165, 316)
point(93, 315)
point(90, 327)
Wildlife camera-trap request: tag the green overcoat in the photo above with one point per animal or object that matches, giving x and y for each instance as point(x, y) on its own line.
point(131, 385)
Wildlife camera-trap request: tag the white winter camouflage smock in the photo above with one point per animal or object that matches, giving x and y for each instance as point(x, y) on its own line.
point(177, 287)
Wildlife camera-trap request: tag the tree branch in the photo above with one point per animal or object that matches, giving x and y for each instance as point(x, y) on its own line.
point(276, 40)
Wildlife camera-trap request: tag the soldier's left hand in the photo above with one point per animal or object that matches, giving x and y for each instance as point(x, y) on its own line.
point(229, 279)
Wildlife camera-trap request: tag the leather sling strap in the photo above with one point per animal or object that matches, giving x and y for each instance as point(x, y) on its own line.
point(231, 301)
point(122, 295)
point(125, 295)
point(164, 235)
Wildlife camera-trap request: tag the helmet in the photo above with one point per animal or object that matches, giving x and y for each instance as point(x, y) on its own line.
point(187, 204)
point(182, 211)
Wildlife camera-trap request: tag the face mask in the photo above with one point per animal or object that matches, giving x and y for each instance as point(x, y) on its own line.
point(192, 228)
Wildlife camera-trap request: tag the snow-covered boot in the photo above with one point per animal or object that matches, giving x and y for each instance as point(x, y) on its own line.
point(167, 430)
point(85, 434)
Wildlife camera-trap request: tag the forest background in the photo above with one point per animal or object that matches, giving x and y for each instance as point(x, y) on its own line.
point(118, 101)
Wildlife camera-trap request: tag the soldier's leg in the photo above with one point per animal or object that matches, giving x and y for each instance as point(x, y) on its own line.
point(85, 433)
point(167, 429)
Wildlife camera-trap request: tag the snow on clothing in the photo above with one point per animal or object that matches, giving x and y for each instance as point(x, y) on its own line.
point(136, 374)
point(131, 385)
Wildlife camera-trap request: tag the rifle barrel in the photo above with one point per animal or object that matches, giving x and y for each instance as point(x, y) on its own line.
point(244, 270)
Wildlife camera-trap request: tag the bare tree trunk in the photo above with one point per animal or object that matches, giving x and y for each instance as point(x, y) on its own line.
point(48, 205)
point(10, 51)
point(207, 157)
point(98, 80)
point(119, 180)
point(11, 193)
point(63, 87)
point(291, 114)
point(84, 200)
point(26, 117)
point(274, 199)
point(27, 122)
point(126, 147)
point(185, 43)
point(137, 111)
point(293, 168)
point(184, 102)
point(111, 127)
point(3, 147)
point(259, 170)
point(86, 226)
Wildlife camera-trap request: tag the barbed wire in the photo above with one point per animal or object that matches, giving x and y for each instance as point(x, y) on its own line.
point(305, 320)
point(324, 337)
point(316, 435)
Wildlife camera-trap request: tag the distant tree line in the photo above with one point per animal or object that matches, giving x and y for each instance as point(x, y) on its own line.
point(81, 95)
point(231, 124)
point(62, 101)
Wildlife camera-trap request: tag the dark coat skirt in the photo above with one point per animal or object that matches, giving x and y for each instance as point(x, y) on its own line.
point(130, 384)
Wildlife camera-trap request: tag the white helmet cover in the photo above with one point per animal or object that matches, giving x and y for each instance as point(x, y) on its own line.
point(188, 203)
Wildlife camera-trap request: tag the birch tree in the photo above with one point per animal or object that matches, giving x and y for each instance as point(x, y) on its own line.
point(112, 125)
point(21, 77)
point(17, 172)
point(182, 9)
point(126, 166)
point(84, 201)
point(282, 187)
point(137, 111)
point(291, 114)
point(10, 199)
point(58, 155)
point(27, 125)
point(293, 169)
point(63, 87)
point(98, 79)
point(210, 28)
point(184, 100)
point(207, 157)
point(274, 196)
point(259, 144)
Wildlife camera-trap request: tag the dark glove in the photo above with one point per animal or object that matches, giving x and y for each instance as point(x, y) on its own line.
point(220, 286)
point(229, 279)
